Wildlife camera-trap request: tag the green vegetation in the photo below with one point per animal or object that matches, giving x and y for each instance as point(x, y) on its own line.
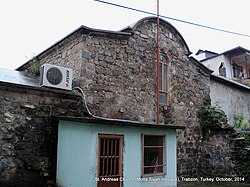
point(240, 122)
point(35, 67)
point(246, 136)
point(211, 117)
point(242, 155)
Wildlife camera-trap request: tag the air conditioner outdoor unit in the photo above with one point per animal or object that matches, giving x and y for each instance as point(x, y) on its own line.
point(56, 77)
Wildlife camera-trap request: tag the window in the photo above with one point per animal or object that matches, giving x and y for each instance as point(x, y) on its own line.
point(110, 160)
point(164, 80)
point(237, 71)
point(222, 70)
point(152, 155)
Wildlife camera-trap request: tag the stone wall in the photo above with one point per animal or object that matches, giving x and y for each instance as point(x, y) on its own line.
point(232, 97)
point(189, 100)
point(28, 134)
point(225, 153)
point(117, 71)
point(215, 158)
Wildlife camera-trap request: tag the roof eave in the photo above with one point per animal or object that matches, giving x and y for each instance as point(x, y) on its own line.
point(81, 29)
point(200, 65)
point(117, 122)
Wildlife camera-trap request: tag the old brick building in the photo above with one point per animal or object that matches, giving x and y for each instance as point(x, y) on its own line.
point(117, 72)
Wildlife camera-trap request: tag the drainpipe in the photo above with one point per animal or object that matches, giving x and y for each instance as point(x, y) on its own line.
point(158, 65)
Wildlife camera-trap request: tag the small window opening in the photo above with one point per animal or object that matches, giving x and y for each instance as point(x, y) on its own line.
point(164, 80)
point(153, 155)
point(222, 70)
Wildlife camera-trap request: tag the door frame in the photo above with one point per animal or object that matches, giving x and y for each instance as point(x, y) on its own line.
point(120, 164)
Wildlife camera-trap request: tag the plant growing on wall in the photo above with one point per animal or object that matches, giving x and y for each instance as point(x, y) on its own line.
point(211, 117)
point(35, 67)
point(240, 122)
point(242, 154)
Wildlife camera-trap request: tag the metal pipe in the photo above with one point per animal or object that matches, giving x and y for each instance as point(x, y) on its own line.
point(158, 65)
point(99, 117)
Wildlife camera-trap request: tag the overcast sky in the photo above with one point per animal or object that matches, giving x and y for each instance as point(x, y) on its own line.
point(27, 27)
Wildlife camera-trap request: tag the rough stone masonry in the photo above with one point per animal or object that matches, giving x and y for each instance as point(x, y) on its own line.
point(27, 133)
point(117, 71)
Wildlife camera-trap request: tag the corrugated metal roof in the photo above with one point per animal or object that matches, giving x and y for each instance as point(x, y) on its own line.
point(18, 77)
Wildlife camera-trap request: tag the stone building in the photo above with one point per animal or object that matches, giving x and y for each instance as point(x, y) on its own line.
point(118, 69)
point(118, 73)
point(27, 131)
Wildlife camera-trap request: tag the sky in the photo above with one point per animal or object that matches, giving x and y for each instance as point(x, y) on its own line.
point(28, 27)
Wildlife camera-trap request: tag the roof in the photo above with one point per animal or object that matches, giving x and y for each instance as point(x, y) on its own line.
point(229, 82)
point(205, 51)
point(21, 82)
point(117, 122)
point(114, 34)
point(133, 26)
point(17, 77)
point(80, 30)
point(200, 65)
point(236, 50)
point(233, 51)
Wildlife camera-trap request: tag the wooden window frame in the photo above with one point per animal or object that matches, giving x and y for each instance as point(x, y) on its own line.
point(164, 74)
point(163, 165)
point(120, 137)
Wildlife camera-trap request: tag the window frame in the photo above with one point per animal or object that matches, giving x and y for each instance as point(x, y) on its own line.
point(120, 154)
point(163, 156)
point(164, 79)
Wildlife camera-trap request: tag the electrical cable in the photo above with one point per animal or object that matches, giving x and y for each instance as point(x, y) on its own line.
point(174, 19)
point(83, 95)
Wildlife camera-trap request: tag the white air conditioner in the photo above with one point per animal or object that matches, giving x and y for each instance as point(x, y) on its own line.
point(56, 77)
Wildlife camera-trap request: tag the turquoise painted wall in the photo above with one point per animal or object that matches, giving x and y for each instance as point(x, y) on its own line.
point(77, 154)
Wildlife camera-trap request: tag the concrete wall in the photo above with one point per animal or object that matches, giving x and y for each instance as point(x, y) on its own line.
point(232, 97)
point(77, 154)
point(214, 64)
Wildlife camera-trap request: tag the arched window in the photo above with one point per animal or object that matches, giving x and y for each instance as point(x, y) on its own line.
point(164, 80)
point(222, 70)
